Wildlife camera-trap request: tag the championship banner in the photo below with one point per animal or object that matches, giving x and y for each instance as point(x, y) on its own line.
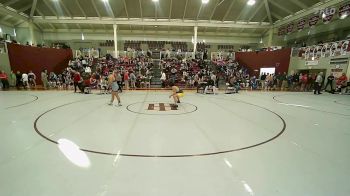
point(328, 14)
point(344, 11)
point(301, 24)
point(282, 31)
point(313, 20)
point(290, 28)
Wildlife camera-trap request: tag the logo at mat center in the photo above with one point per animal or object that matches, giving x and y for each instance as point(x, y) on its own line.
point(161, 107)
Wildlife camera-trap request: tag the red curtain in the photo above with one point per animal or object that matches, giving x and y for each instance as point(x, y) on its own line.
point(26, 58)
point(279, 59)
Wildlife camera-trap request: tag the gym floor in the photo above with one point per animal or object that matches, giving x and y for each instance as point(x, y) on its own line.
point(252, 143)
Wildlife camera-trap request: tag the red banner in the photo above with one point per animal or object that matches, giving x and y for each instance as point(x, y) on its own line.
point(344, 11)
point(290, 27)
point(301, 24)
point(313, 20)
point(282, 31)
point(328, 14)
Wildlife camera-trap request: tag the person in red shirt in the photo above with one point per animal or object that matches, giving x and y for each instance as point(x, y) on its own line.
point(126, 80)
point(342, 82)
point(4, 80)
point(76, 80)
point(304, 81)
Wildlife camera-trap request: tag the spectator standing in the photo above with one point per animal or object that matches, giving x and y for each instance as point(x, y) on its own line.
point(132, 80)
point(126, 80)
point(12, 79)
point(44, 79)
point(76, 79)
point(318, 83)
point(330, 81)
point(163, 79)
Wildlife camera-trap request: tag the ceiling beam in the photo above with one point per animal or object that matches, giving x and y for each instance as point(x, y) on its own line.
point(256, 11)
point(43, 17)
point(126, 9)
point(281, 7)
point(310, 10)
point(33, 8)
point(228, 10)
point(7, 23)
point(185, 9)
point(267, 7)
point(276, 16)
point(80, 8)
point(6, 18)
point(40, 13)
point(170, 9)
point(5, 11)
point(23, 9)
point(8, 3)
point(153, 22)
point(199, 11)
point(141, 8)
point(240, 13)
point(263, 19)
point(161, 32)
point(66, 9)
point(213, 11)
point(95, 7)
point(51, 8)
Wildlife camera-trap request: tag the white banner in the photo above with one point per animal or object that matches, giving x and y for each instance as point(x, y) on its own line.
point(310, 63)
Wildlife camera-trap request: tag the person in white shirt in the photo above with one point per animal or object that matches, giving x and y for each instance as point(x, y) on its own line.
point(88, 69)
point(163, 79)
point(25, 80)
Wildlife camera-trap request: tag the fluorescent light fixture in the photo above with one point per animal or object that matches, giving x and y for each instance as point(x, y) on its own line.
point(251, 2)
point(205, 1)
point(323, 15)
point(204, 41)
point(82, 36)
point(155, 0)
point(0, 30)
point(14, 32)
point(261, 41)
point(73, 153)
point(105, 1)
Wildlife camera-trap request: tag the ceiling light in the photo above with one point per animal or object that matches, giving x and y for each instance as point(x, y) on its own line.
point(323, 15)
point(106, 1)
point(251, 2)
point(82, 37)
point(155, 0)
point(205, 1)
point(0, 30)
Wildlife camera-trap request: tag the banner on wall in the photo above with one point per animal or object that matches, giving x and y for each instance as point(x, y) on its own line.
point(290, 28)
point(313, 20)
point(282, 31)
point(301, 24)
point(311, 63)
point(344, 10)
point(328, 14)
